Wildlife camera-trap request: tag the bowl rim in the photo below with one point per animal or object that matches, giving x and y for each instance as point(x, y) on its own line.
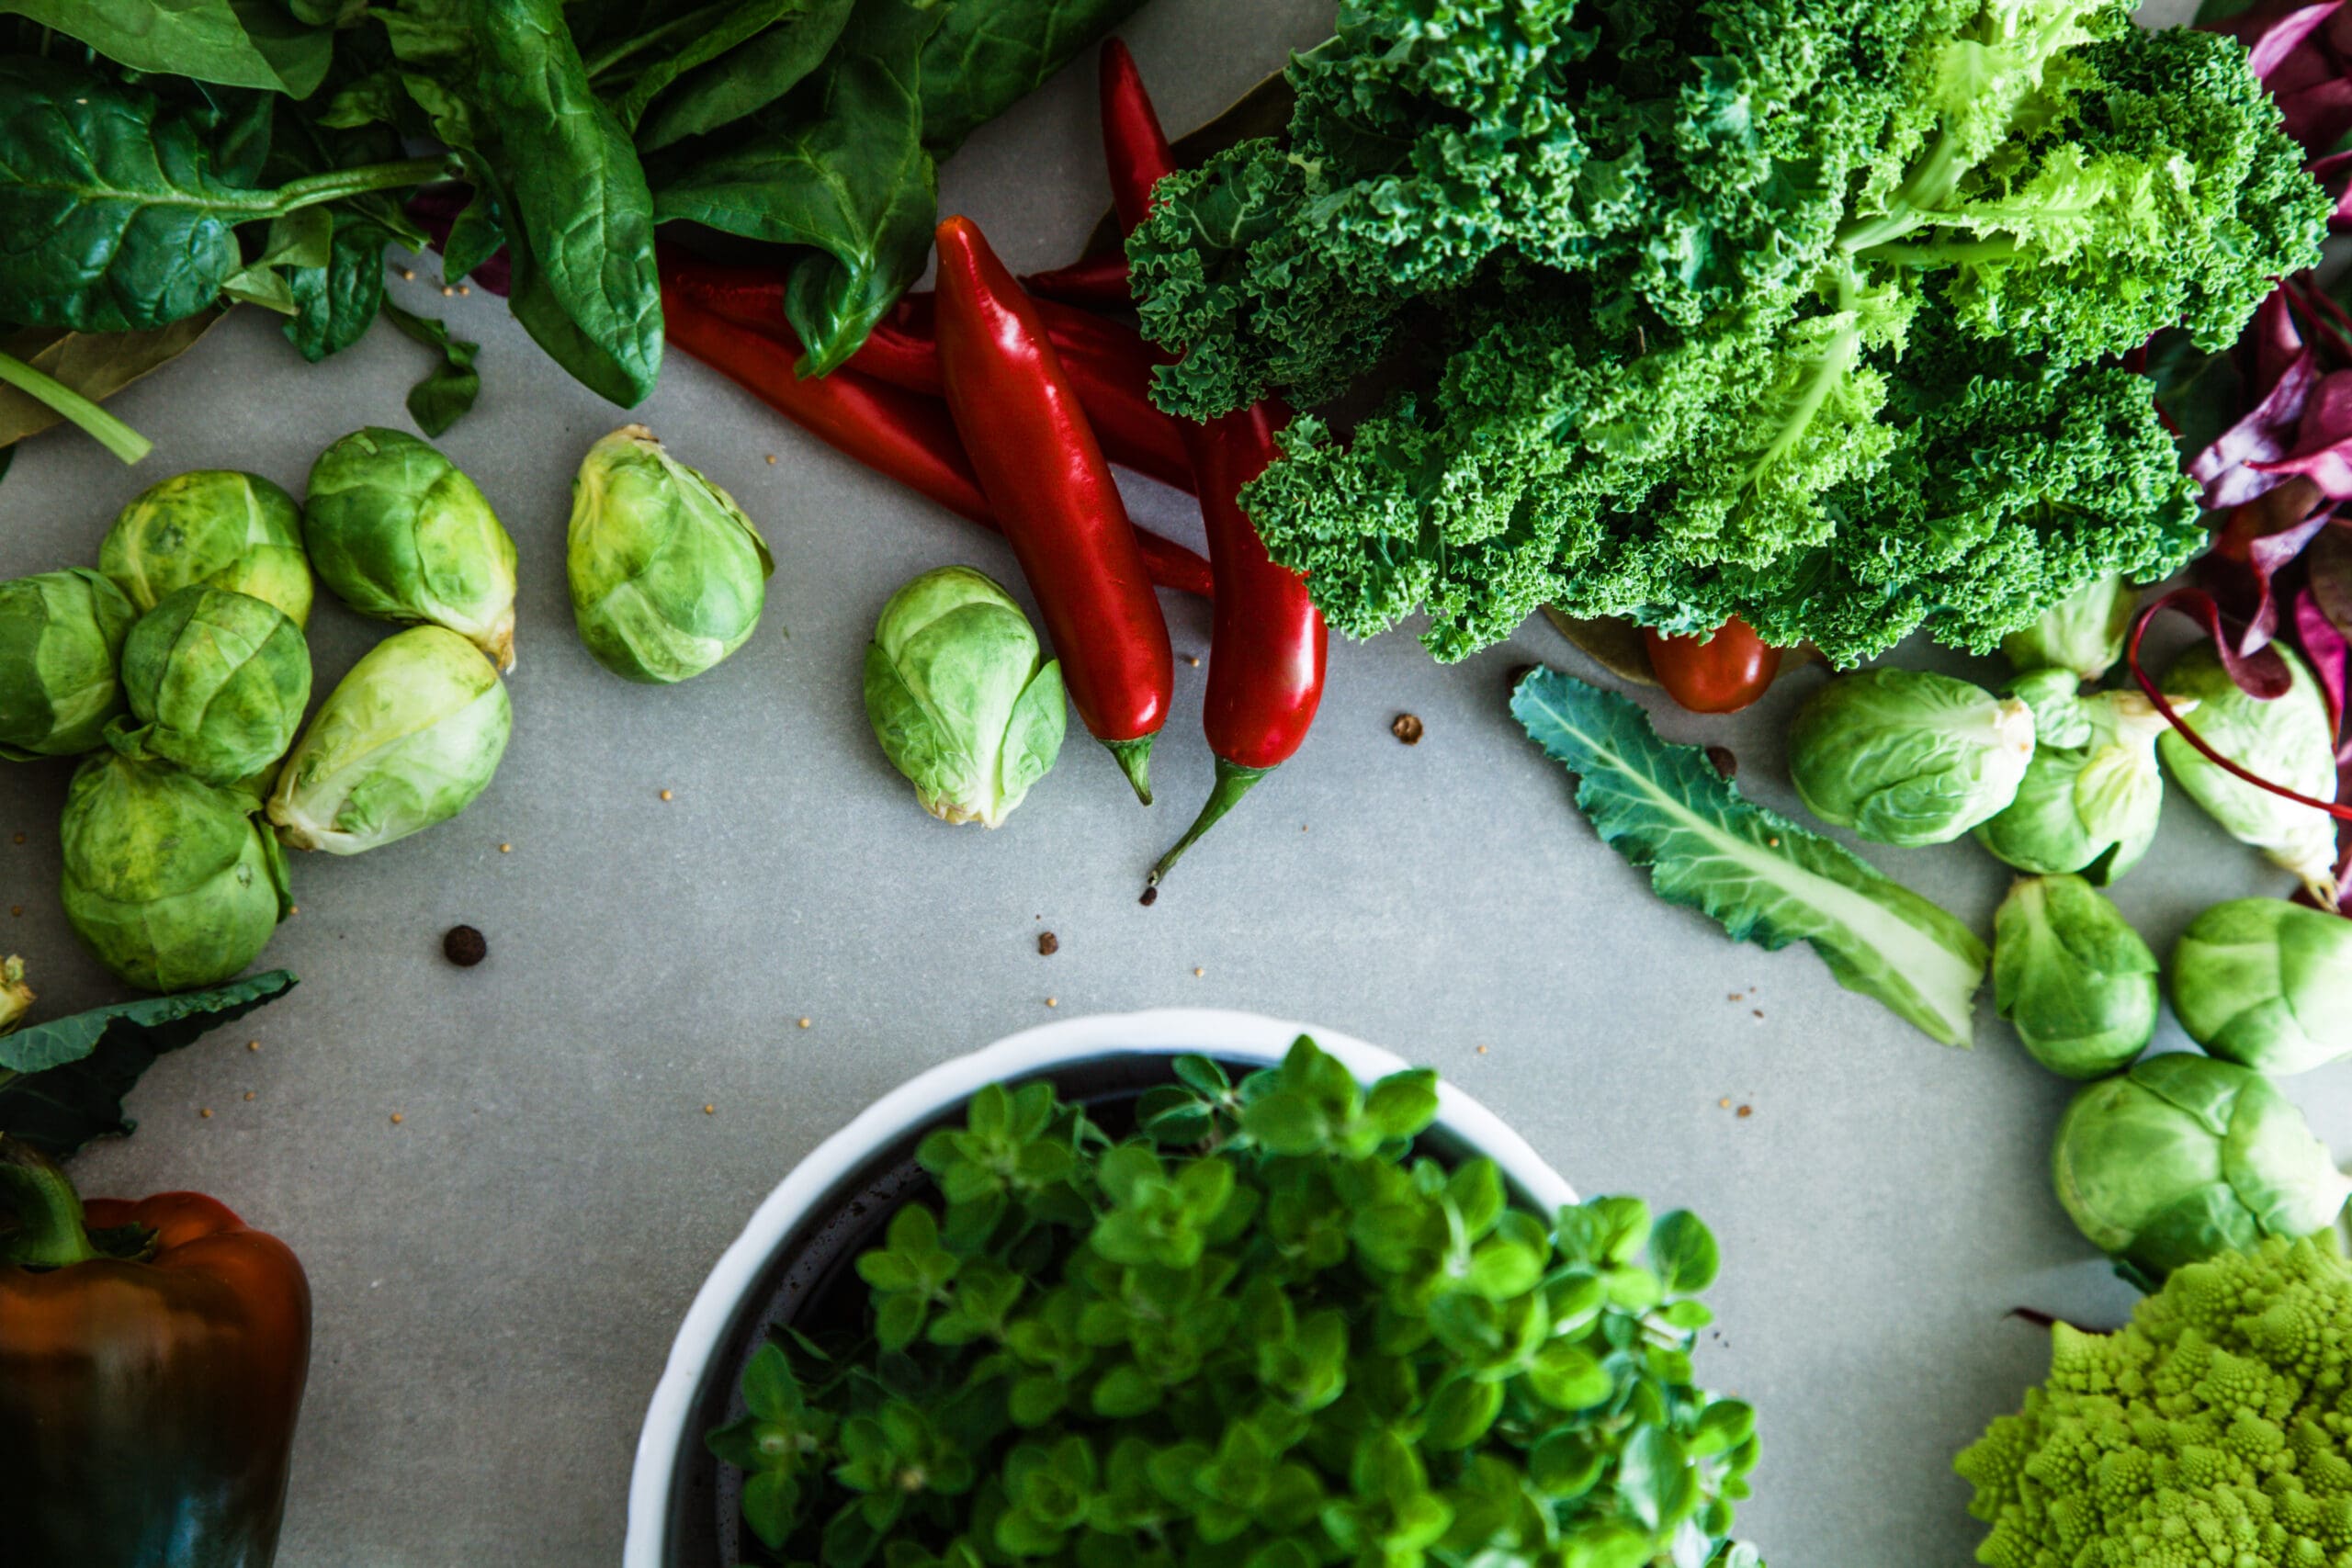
point(1168, 1031)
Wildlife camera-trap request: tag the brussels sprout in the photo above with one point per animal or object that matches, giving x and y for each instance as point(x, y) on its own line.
point(212, 527)
point(2266, 984)
point(400, 534)
point(958, 697)
point(171, 881)
point(1904, 757)
point(2083, 635)
point(407, 740)
point(2184, 1157)
point(60, 638)
point(668, 576)
point(2092, 794)
point(15, 995)
point(2288, 740)
point(2076, 981)
point(218, 681)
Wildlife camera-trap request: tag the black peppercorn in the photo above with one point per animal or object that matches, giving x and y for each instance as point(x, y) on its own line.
point(465, 946)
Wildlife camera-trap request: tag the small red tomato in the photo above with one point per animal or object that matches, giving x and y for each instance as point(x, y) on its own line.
point(1721, 673)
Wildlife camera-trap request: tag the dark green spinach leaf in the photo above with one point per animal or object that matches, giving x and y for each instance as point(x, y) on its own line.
point(986, 58)
point(448, 390)
point(840, 166)
point(334, 304)
point(233, 43)
point(748, 77)
point(61, 1083)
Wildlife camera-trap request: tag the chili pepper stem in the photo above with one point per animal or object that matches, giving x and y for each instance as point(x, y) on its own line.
point(1134, 761)
point(1233, 781)
point(50, 1231)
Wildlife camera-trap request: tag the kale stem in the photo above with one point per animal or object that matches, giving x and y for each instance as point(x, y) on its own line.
point(68, 404)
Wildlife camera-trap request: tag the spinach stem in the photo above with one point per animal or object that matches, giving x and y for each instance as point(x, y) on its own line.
point(336, 184)
point(108, 431)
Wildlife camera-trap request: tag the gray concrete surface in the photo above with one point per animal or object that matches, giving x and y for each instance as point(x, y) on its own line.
point(498, 1276)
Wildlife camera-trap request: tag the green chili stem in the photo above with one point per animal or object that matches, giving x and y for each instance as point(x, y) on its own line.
point(51, 1233)
point(108, 431)
point(1233, 781)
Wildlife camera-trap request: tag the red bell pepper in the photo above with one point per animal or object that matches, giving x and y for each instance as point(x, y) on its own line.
point(1045, 474)
point(151, 1362)
point(1267, 640)
point(901, 434)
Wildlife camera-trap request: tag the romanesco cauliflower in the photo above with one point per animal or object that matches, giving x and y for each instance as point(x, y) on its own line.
point(2214, 1431)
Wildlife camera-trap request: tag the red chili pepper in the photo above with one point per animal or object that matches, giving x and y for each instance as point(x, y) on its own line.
point(1721, 672)
point(1267, 641)
point(901, 434)
point(1108, 363)
point(1042, 470)
point(1089, 280)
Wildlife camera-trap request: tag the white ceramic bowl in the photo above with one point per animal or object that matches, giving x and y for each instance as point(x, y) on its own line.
point(1230, 1036)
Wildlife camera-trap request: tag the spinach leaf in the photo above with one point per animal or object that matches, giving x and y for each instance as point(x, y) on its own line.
point(336, 304)
point(1758, 875)
point(448, 390)
point(696, 38)
point(505, 84)
point(122, 222)
point(234, 43)
point(986, 58)
point(61, 1083)
point(95, 365)
point(748, 77)
point(840, 166)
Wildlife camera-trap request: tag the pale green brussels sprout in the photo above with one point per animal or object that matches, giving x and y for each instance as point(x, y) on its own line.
point(2083, 635)
point(2266, 984)
point(2074, 979)
point(217, 682)
point(2286, 741)
point(401, 534)
point(15, 996)
point(1904, 757)
point(61, 640)
point(960, 697)
point(2185, 1157)
point(213, 526)
point(668, 576)
point(408, 738)
point(172, 882)
point(2092, 794)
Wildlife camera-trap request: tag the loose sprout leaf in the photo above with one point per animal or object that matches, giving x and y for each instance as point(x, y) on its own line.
point(1758, 875)
point(61, 1082)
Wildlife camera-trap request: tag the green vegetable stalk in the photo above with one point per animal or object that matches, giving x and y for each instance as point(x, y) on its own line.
point(2266, 984)
point(2289, 740)
point(2185, 1157)
point(400, 533)
point(961, 696)
point(2092, 794)
point(2076, 981)
point(668, 576)
point(1904, 757)
point(217, 682)
point(170, 881)
point(411, 736)
point(215, 528)
point(61, 640)
point(2207, 1431)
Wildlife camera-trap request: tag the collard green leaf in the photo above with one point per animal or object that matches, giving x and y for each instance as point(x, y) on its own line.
point(986, 58)
point(234, 43)
point(1761, 877)
point(61, 1082)
point(748, 77)
point(840, 168)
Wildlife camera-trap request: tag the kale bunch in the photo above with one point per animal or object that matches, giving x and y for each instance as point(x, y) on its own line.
point(1257, 1334)
point(1799, 310)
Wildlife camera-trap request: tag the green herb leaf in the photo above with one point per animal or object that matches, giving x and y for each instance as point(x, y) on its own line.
point(1683, 1250)
point(1761, 877)
point(61, 1082)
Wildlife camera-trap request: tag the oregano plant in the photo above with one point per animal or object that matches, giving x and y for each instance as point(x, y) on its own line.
point(1263, 1331)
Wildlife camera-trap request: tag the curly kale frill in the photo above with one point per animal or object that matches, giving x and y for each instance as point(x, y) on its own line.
point(2215, 1430)
point(1789, 309)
